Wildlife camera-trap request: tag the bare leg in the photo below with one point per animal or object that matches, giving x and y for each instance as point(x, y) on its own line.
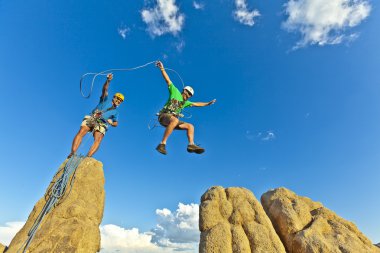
point(190, 131)
point(192, 148)
point(78, 138)
point(169, 129)
point(98, 137)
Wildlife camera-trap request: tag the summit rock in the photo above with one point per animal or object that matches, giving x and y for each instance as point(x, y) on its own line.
point(305, 226)
point(73, 225)
point(233, 220)
point(2, 248)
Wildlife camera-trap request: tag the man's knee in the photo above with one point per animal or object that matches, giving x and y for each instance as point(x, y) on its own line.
point(187, 126)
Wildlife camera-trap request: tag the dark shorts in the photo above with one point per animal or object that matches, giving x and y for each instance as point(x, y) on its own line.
point(164, 119)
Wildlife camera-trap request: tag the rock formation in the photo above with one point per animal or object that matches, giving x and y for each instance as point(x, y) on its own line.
point(232, 220)
point(378, 245)
point(305, 226)
point(73, 225)
point(2, 248)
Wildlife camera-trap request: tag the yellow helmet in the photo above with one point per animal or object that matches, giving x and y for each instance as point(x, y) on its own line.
point(120, 96)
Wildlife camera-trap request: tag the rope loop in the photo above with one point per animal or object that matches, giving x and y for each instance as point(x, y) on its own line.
point(56, 192)
point(108, 71)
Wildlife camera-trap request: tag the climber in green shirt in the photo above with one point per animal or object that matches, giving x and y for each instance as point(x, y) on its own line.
point(169, 114)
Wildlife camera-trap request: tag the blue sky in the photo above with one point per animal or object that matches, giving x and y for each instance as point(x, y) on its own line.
point(297, 106)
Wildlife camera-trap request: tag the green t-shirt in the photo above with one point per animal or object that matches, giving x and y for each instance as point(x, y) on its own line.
point(175, 103)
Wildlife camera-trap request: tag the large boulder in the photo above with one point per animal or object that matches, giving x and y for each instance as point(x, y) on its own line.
point(233, 220)
point(2, 248)
point(305, 226)
point(73, 225)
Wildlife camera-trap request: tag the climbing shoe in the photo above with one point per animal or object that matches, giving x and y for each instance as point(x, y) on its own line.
point(161, 148)
point(192, 148)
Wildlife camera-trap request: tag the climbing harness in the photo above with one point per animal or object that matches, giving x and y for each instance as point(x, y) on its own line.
point(153, 123)
point(65, 181)
point(97, 117)
point(56, 193)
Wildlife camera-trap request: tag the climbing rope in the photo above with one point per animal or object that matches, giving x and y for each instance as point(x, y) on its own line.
point(152, 123)
point(108, 71)
point(56, 192)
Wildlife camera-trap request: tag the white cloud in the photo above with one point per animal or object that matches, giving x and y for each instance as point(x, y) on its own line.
point(243, 15)
point(163, 18)
point(323, 22)
point(118, 239)
point(123, 31)
point(180, 45)
point(267, 136)
point(178, 230)
point(174, 232)
point(250, 136)
point(8, 231)
point(198, 6)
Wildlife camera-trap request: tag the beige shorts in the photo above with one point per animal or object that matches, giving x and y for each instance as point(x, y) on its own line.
point(94, 125)
point(164, 119)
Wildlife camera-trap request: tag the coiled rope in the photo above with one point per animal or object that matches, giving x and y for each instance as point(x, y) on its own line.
point(56, 192)
point(109, 71)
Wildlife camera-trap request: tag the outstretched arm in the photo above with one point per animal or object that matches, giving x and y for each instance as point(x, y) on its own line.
point(163, 72)
point(201, 104)
point(106, 85)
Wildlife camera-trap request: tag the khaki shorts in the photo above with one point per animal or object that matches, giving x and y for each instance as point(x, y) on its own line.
point(94, 125)
point(164, 119)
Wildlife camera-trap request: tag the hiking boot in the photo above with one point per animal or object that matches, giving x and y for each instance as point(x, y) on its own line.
point(161, 148)
point(192, 148)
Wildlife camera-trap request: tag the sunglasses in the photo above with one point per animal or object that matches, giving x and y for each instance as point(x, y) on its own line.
point(187, 93)
point(118, 99)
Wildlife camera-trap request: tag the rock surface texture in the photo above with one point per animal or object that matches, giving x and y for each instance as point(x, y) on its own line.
point(2, 248)
point(233, 220)
point(305, 226)
point(73, 225)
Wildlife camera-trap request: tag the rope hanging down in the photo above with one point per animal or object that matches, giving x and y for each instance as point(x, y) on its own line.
point(108, 71)
point(56, 192)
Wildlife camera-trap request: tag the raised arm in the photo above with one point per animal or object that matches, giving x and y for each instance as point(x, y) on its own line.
point(163, 72)
point(201, 104)
point(106, 85)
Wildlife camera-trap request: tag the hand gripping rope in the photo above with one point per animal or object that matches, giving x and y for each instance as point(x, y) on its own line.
point(55, 193)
